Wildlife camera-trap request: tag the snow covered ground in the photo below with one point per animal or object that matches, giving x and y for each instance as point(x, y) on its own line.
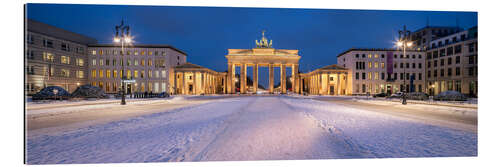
point(249, 128)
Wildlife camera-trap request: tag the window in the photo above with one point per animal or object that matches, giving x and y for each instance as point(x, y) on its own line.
point(94, 62)
point(136, 53)
point(471, 59)
point(435, 54)
point(471, 71)
point(150, 74)
point(65, 59)
point(471, 47)
point(164, 74)
point(369, 76)
point(382, 65)
point(428, 74)
point(449, 71)
point(94, 52)
point(419, 56)
point(449, 51)
point(48, 43)
point(363, 76)
point(449, 61)
point(369, 64)
point(64, 73)
point(395, 76)
point(369, 55)
point(458, 49)
point(435, 63)
point(407, 65)
point(357, 76)
point(442, 62)
point(382, 76)
point(114, 62)
point(107, 62)
point(136, 74)
point(79, 74)
point(419, 76)
point(65, 47)
point(150, 53)
point(419, 65)
point(376, 64)
point(362, 56)
point(442, 53)
point(383, 56)
point(357, 56)
point(80, 62)
point(101, 52)
point(30, 54)
point(376, 76)
point(48, 57)
point(94, 74)
point(457, 71)
point(30, 39)
point(101, 62)
point(108, 73)
point(435, 73)
point(115, 73)
point(429, 64)
point(413, 65)
point(136, 62)
point(157, 74)
point(442, 72)
point(413, 56)
point(376, 55)
point(101, 74)
point(457, 60)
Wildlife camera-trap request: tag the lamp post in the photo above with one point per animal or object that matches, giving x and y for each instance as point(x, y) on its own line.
point(122, 36)
point(403, 42)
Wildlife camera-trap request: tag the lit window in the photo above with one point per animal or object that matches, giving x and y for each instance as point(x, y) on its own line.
point(48, 57)
point(94, 73)
point(64, 72)
point(65, 60)
point(101, 62)
point(164, 74)
point(369, 64)
point(136, 74)
point(376, 55)
point(80, 62)
point(369, 55)
point(94, 62)
point(108, 73)
point(79, 74)
point(376, 64)
point(382, 65)
point(101, 75)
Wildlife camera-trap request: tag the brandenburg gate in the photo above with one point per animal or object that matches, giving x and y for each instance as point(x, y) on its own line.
point(262, 56)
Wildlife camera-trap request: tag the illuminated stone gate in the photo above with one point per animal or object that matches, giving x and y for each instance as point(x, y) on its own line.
point(262, 56)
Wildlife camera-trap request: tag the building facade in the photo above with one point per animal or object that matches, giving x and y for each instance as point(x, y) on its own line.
point(54, 57)
point(192, 79)
point(328, 80)
point(150, 66)
point(452, 63)
point(383, 70)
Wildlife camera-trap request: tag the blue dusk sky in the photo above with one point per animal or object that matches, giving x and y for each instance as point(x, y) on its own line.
point(205, 33)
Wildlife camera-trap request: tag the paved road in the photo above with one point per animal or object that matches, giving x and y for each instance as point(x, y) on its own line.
point(250, 128)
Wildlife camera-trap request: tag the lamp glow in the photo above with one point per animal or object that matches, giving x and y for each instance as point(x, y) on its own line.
point(116, 39)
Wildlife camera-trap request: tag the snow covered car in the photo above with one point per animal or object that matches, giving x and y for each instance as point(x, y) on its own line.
point(51, 92)
point(417, 96)
point(88, 91)
point(450, 96)
point(396, 95)
point(380, 95)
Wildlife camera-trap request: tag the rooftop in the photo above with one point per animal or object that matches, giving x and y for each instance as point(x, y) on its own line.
point(56, 32)
point(371, 49)
point(141, 46)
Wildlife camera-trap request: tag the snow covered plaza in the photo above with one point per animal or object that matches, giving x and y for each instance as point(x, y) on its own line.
point(229, 127)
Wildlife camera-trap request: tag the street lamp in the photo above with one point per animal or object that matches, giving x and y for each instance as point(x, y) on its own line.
point(404, 43)
point(122, 36)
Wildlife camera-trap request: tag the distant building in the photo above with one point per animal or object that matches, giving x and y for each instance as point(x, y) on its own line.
point(422, 37)
point(452, 63)
point(383, 70)
point(150, 66)
point(54, 57)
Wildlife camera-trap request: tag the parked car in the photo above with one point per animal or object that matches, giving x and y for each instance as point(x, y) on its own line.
point(417, 96)
point(396, 95)
point(450, 96)
point(380, 95)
